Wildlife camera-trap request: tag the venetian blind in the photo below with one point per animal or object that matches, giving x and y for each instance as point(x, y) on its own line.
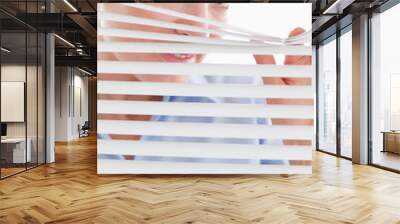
point(234, 40)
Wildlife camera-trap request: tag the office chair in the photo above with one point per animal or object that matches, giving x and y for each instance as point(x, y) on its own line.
point(84, 130)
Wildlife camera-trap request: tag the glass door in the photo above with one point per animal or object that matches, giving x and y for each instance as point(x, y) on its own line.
point(385, 90)
point(22, 77)
point(346, 93)
point(327, 97)
point(14, 153)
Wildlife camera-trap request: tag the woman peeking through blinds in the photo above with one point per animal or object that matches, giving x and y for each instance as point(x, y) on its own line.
point(212, 11)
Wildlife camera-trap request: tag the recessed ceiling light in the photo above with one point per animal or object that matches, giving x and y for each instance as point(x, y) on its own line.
point(5, 50)
point(70, 5)
point(338, 6)
point(84, 71)
point(65, 41)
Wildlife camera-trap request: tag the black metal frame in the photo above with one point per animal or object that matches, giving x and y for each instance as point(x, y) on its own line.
point(369, 100)
point(338, 97)
point(316, 97)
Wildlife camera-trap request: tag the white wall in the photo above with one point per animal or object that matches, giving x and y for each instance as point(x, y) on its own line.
point(33, 126)
point(17, 73)
point(62, 81)
point(80, 109)
point(71, 93)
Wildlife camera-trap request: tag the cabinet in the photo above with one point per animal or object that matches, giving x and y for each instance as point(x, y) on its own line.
point(391, 142)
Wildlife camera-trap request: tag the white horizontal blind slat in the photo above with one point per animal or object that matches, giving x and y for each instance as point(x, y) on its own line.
point(205, 109)
point(114, 32)
point(215, 23)
point(160, 68)
point(204, 150)
point(158, 23)
point(208, 130)
point(145, 47)
point(107, 166)
point(209, 90)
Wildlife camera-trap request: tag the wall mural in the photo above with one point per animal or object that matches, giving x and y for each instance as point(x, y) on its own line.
point(205, 88)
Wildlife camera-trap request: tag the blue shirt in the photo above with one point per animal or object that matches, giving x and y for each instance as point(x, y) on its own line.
point(224, 120)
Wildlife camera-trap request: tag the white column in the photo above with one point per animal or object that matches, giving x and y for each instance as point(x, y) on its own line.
point(50, 99)
point(360, 90)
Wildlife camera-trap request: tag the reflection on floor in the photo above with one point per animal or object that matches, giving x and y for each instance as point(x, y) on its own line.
point(70, 191)
point(387, 159)
point(10, 169)
point(346, 152)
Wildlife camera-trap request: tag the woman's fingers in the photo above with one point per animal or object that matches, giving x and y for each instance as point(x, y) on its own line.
point(264, 59)
point(294, 60)
point(268, 60)
point(297, 60)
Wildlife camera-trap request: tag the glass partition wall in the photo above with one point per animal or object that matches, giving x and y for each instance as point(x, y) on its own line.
point(345, 61)
point(385, 90)
point(327, 96)
point(334, 88)
point(22, 88)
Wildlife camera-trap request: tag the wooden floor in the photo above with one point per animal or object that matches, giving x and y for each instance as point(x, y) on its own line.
point(387, 159)
point(10, 171)
point(70, 191)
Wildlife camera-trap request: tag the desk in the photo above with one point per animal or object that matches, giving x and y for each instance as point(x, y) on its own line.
point(391, 141)
point(17, 150)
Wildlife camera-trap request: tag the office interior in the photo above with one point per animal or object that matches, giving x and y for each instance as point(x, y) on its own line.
point(25, 70)
point(48, 81)
point(335, 94)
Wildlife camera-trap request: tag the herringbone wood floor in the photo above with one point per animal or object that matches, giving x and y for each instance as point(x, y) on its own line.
point(70, 191)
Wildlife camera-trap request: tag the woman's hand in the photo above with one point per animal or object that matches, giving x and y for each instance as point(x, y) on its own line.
point(289, 60)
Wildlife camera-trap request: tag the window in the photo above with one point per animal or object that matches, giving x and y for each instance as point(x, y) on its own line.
point(385, 87)
point(346, 94)
point(22, 77)
point(327, 97)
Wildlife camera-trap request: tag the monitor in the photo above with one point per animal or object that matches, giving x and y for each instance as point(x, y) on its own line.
point(3, 129)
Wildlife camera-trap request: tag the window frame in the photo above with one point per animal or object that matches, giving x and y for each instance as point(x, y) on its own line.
point(334, 37)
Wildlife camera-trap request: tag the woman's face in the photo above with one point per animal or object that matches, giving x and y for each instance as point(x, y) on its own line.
point(213, 11)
